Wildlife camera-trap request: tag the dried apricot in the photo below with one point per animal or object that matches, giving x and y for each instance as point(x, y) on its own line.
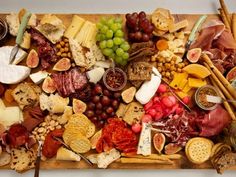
point(8, 96)
point(162, 44)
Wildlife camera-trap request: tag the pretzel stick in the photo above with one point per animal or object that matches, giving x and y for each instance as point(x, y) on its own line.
point(226, 104)
point(220, 76)
point(225, 9)
point(220, 85)
point(137, 160)
point(234, 25)
point(154, 156)
point(224, 19)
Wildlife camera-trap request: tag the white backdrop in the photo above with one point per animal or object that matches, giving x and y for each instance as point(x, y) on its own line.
point(118, 6)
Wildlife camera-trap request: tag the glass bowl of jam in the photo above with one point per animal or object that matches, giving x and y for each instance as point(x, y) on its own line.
point(3, 29)
point(201, 97)
point(115, 79)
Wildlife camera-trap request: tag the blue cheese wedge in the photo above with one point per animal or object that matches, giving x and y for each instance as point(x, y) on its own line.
point(39, 76)
point(144, 145)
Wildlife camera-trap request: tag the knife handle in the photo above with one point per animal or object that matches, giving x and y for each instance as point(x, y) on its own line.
point(22, 27)
point(196, 27)
point(37, 166)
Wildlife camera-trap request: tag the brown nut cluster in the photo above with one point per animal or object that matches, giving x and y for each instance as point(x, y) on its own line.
point(50, 123)
point(63, 48)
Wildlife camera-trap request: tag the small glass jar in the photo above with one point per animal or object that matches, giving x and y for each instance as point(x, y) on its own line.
point(3, 29)
point(115, 79)
point(200, 97)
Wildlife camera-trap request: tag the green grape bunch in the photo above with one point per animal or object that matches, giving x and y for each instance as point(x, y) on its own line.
point(110, 38)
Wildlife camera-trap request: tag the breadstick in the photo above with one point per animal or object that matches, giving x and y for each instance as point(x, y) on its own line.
point(154, 156)
point(137, 160)
point(220, 76)
point(225, 9)
point(224, 19)
point(226, 104)
point(234, 25)
point(221, 86)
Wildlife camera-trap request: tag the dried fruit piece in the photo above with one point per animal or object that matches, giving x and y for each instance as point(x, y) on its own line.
point(162, 44)
point(48, 85)
point(159, 140)
point(32, 60)
point(172, 148)
point(2, 89)
point(128, 94)
point(62, 65)
point(193, 55)
point(231, 74)
point(8, 96)
point(79, 106)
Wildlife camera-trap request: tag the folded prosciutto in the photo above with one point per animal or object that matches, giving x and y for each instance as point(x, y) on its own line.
point(219, 44)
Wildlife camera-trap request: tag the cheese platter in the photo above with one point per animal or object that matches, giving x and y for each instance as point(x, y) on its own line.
point(121, 91)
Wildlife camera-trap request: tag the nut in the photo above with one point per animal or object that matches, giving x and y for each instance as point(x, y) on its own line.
point(58, 127)
point(43, 124)
point(41, 130)
point(52, 128)
point(52, 123)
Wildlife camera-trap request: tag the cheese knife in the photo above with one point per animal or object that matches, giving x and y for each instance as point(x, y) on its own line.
point(19, 36)
point(38, 159)
point(192, 35)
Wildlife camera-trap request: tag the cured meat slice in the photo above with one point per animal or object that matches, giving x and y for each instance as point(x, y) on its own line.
point(79, 79)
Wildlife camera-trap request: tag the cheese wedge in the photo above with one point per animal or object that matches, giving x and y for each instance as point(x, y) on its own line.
point(66, 154)
point(2, 105)
point(75, 26)
point(39, 76)
point(144, 145)
point(95, 74)
point(5, 53)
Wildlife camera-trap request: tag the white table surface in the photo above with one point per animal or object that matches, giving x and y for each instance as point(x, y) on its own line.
point(116, 6)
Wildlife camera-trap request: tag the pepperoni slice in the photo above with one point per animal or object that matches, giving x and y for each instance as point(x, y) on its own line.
point(51, 145)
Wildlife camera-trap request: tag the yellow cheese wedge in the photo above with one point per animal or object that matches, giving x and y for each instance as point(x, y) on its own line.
point(183, 83)
point(187, 88)
point(65, 154)
point(75, 26)
point(197, 70)
point(178, 77)
point(181, 94)
point(196, 83)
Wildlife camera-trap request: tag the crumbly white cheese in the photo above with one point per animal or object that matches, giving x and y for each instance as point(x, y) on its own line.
point(13, 23)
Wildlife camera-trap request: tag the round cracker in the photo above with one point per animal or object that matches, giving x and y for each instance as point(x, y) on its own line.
point(90, 130)
point(198, 150)
point(95, 139)
point(79, 120)
point(80, 144)
point(213, 151)
point(69, 134)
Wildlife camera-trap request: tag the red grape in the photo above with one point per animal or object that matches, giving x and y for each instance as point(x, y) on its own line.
point(89, 113)
point(98, 89)
point(142, 14)
point(112, 114)
point(100, 123)
point(147, 118)
point(99, 105)
point(104, 115)
point(105, 100)
point(106, 92)
point(117, 95)
point(145, 37)
point(136, 128)
point(91, 105)
point(98, 112)
point(94, 119)
point(96, 99)
point(132, 36)
point(135, 15)
point(115, 104)
point(109, 110)
point(138, 36)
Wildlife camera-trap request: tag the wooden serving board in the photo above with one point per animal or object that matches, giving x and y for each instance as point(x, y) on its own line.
point(178, 164)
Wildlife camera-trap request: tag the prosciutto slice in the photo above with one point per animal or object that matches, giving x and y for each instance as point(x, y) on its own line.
point(214, 122)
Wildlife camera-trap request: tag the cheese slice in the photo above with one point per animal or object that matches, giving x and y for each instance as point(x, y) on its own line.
point(10, 115)
point(95, 74)
point(75, 26)
point(103, 64)
point(5, 53)
point(144, 145)
point(66, 154)
point(39, 76)
point(106, 158)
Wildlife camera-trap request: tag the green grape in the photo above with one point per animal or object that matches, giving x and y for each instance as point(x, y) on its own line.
point(125, 46)
point(104, 29)
point(99, 26)
point(107, 51)
point(122, 40)
point(98, 37)
point(110, 22)
point(117, 40)
point(118, 20)
point(103, 20)
point(102, 44)
point(109, 43)
point(119, 25)
point(112, 55)
point(119, 52)
point(118, 59)
point(123, 62)
point(103, 37)
point(114, 47)
point(114, 27)
point(125, 55)
point(109, 34)
point(119, 33)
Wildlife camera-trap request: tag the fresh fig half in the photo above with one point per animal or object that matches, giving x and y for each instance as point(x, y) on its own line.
point(172, 148)
point(194, 54)
point(48, 85)
point(32, 60)
point(159, 140)
point(78, 106)
point(63, 64)
point(231, 75)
